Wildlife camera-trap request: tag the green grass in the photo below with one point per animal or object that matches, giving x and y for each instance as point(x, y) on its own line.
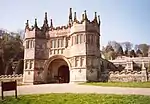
point(77, 99)
point(120, 84)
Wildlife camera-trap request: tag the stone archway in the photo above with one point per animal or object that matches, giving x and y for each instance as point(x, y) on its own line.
point(57, 70)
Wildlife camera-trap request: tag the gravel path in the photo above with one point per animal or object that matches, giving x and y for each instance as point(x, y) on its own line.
point(74, 88)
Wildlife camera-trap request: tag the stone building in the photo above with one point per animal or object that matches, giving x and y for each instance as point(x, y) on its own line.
point(64, 54)
point(132, 63)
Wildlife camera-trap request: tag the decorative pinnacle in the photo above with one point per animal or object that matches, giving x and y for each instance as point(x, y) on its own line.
point(35, 25)
point(85, 15)
point(51, 25)
point(99, 21)
point(75, 16)
point(70, 14)
point(45, 15)
point(45, 25)
point(95, 15)
point(45, 18)
point(27, 23)
point(82, 17)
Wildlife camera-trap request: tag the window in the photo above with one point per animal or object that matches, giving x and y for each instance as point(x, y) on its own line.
point(76, 61)
point(84, 37)
point(31, 64)
point(88, 39)
point(27, 44)
point(74, 40)
point(26, 65)
point(51, 43)
point(30, 43)
point(62, 43)
point(91, 38)
point(54, 44)
point(77, 39)
point(81, 38)
point(58, 43)
point(82, 61)
point(33, 43)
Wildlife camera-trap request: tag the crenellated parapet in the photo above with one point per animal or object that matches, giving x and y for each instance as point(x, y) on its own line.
point(124, 72)
point(17, 77)
point(72, 21)
point(126, 76)
point(11, 76)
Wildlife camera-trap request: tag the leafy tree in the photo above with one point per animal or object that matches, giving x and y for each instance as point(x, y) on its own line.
point(1, 66)
point(19, 68)
point(9, 69)
point(11, 46)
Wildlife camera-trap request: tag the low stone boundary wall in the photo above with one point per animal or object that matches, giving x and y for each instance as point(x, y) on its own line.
point(18, 78)
point(130, 76)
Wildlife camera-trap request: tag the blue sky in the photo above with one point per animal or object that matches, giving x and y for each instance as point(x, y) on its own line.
point(122, 20)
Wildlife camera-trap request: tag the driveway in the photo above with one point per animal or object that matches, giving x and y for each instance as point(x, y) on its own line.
point(74, 88)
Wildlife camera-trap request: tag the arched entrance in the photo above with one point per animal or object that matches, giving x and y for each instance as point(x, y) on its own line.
point(58, 71)
point(64, 74)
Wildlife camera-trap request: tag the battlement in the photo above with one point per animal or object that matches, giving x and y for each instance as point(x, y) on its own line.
point(72, 21)
point(124, 72)
point(11, 76)
point(17, 77)
point(126, 76)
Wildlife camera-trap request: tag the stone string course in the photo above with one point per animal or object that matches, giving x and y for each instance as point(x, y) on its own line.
point(130, 76)
point(18, 78)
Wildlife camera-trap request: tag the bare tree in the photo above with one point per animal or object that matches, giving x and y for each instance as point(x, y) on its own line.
point(127, 45)
point(144, 48)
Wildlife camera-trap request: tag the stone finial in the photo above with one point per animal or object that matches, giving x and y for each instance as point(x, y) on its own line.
point(35, 24)
point(95, 18)
point(85, 15)
point(70, 14)
point(45, 25)
point(27, 24)
point(51, 25)
point(70, 17)
point(99, 21)
point(75, 17)
point(82, 18)
point(45, 20)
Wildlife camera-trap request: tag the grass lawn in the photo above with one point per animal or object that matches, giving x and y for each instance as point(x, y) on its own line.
point(120, 84)
point(77, 99)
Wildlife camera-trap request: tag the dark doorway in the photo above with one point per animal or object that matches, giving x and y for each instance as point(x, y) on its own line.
point(64, 74)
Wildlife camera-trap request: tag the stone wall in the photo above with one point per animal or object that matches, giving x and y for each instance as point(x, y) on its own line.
point(130, 76)
point(18, 78)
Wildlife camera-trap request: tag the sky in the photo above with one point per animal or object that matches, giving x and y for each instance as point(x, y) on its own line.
point(121, 20)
